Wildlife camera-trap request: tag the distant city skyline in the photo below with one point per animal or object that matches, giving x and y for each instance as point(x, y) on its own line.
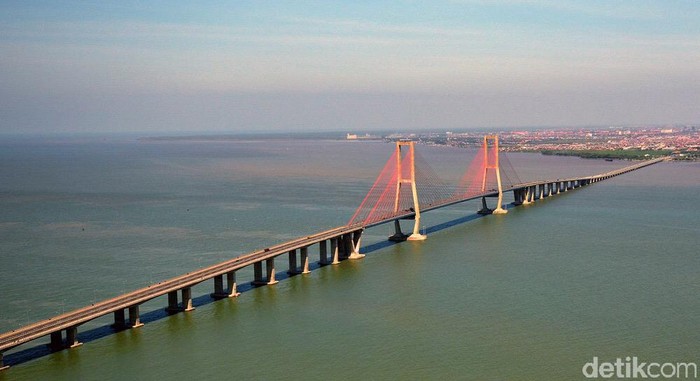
point(288, 66)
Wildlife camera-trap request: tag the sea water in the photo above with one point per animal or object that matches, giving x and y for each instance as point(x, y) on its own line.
point(608, 270)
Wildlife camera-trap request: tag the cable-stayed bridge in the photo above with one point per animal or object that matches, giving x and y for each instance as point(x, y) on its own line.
point(406, 187)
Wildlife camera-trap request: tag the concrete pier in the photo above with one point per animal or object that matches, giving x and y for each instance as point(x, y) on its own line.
point(323, 253)
point(343, 247)
point(269, 272)
point(398, 236)
point(134, 317)
point(119, 320)
point(186, 299)
point(335, 251)
point(484, 208)
point(304, 254)
point(293, 270)
point(355, 242)
point(232, 285)
point(172, 303)
point(257, 273)
point(270, 267)
point(56, 342)
point(72, 337)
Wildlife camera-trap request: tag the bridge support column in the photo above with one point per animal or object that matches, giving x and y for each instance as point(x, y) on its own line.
point(72, 337)
point(334, 250)
point(323, 253)
point(526, 196)
point(257, 273)
point(134, 317)
point(218, 288)
point(355, 245)
point(230, 291)
point(292, 263)
point(540, 191)
point(304, 255)
point(119, 319)
point(270, 271)
point(231, 283)
point(270, 266)
point(186, 299)
point(518, 196)
point(398, 236)
point(347, 245)
point(484, 208)
point(172, 303)
point(342, 247)
point(2, 363)
point(56, 341)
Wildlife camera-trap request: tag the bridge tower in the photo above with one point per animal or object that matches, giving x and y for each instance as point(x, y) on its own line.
point(491, 162)
point(401, 179)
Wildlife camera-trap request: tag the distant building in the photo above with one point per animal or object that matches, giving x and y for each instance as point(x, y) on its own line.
point(350, 136)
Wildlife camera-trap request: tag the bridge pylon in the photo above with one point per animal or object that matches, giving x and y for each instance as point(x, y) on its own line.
point(491, 162)
point(402, 179)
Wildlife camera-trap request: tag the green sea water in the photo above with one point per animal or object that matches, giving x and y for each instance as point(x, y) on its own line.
point(609, 270)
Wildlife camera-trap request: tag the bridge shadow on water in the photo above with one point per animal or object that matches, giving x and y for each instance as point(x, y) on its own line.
point(87, 336)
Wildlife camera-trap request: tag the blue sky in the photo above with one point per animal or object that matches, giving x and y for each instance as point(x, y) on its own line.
point(230, 66)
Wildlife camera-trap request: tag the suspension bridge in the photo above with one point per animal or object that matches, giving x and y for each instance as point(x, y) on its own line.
point(406, 187)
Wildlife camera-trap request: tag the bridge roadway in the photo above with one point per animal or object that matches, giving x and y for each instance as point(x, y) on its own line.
point(342, 238)
point(74, 318)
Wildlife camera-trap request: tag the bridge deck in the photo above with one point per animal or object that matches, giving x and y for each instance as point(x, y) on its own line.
point(74, 318)
point(93, 311)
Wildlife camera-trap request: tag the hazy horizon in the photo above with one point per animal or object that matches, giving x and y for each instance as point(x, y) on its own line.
point(276, 67)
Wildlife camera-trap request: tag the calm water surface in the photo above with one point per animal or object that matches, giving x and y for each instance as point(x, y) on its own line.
point(610, 270)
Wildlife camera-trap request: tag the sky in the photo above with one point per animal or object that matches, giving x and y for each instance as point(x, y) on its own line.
point(257, 66)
